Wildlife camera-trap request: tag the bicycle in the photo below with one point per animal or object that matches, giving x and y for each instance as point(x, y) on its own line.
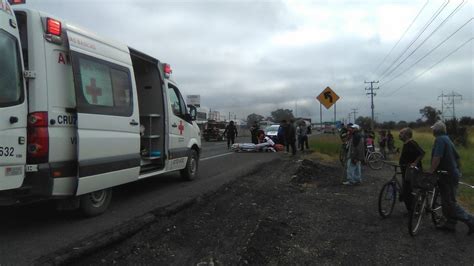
point(373, 159)
point(390, 192)
point(427, 200)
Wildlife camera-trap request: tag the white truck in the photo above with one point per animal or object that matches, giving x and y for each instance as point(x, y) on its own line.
point(80, 114)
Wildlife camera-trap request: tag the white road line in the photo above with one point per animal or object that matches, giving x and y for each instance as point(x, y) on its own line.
point(216, 156)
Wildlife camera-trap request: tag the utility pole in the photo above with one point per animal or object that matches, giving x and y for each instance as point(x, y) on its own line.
point(354, 111)
point(372, 94)
point(449, 104)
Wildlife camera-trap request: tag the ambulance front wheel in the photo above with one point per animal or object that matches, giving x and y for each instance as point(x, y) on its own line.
point(95, 203)
point(190, 172)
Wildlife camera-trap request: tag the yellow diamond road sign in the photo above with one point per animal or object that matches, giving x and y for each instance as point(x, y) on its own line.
point(327, 97)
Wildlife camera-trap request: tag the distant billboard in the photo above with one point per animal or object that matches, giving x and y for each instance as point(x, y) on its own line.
point(194, 100)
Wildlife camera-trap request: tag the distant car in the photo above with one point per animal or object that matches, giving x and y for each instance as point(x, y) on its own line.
point(329, 129)
point(272, 132)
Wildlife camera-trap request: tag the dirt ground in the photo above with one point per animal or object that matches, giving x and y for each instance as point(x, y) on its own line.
point(290, 212)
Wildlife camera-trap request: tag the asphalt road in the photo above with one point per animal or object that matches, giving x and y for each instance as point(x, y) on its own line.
point(29, 232)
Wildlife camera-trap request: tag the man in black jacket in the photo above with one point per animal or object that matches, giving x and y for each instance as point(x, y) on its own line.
point(290, 137)
point(230, 132)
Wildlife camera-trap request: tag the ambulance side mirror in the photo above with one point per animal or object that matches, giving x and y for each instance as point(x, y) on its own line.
point(192, 112)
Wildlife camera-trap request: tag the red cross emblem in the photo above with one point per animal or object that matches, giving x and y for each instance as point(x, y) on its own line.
point(93, 91)
point(181, 127)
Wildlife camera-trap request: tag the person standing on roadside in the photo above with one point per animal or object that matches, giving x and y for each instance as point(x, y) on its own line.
point(281, 133)
point(301, 132)
point(230, 132)
point(254, 132)
point(411, 156)
point(444, 157)
point(383, 143)
point(290, 137)
point(355, 156)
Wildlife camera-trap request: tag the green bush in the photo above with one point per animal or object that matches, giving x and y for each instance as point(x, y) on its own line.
point(458, 134)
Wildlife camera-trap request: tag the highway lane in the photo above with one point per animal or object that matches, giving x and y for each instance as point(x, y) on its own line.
point(29, 232)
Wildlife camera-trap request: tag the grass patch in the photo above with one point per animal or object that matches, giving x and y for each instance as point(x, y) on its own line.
point(327, 144)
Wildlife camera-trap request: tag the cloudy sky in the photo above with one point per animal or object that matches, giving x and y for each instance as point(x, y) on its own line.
point(246, 56)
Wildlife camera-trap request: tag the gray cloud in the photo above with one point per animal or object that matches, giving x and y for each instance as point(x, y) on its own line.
point(248, 56)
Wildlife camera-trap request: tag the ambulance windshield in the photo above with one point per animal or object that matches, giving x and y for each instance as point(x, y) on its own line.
point(10, 72)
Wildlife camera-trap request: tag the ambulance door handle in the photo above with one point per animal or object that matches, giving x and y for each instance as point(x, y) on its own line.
point(13, 119)
point(134, 123)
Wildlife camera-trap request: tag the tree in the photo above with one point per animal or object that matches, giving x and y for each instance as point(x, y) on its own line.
point(252, 118)
point(431, 114)
point(466, 121)
point(389, 124)
point(363, 122)
point(281, 114)
point(402, 124)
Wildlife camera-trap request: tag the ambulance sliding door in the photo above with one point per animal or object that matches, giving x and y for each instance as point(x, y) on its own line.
point(107, 113)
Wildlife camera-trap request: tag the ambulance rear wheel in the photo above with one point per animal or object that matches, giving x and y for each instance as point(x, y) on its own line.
point(95, 203)
point(190, 172)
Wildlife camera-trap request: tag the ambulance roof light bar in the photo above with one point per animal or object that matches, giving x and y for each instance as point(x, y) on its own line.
point(167, 69)
point(16, 2)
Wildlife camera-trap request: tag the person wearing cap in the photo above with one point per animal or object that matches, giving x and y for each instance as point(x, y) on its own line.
point(444, 157)
point(355, 156)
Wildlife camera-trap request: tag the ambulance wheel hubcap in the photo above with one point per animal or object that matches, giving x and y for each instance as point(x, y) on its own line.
point(193, 166)
point(98, 198)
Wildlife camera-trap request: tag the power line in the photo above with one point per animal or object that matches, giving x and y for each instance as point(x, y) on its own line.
point(403, 35)
point(432, 50)
point(432, 66)
point(418, 36)
point(429, 36)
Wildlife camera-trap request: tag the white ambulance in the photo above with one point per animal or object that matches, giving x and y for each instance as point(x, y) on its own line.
point(80, 114)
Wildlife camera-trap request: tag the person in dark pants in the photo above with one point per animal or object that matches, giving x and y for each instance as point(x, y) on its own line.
point(302, 133)
point(281, 133)
point(445, 157)
point(290, 137)
point(411, 156)
point(383, 142)
point(254, 132)
point(230, 132)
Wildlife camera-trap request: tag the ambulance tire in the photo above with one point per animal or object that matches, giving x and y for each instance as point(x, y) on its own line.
point(190, 172)
point(95, 203)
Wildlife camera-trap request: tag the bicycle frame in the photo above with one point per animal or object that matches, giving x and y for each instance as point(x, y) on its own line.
point(426, 200)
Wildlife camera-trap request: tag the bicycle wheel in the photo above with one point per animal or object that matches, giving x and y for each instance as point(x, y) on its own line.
point(375, 160)
point(387, 199)
point(436, 208)
point(416, 214)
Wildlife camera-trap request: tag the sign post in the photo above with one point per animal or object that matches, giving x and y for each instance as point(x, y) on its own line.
point(320, 116)
point(327, 98)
